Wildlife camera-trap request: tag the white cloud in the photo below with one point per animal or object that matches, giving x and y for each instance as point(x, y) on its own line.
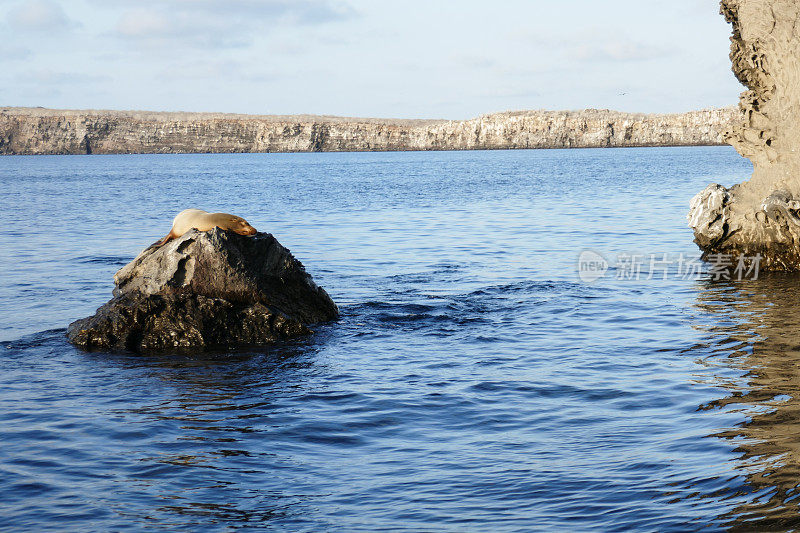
point(293, 11)
point(621, 50)
point(56, 78)
point(206, 24)
point(595, 44)
point(10, 52)
point(40, 15)
point(141, 23)
point(475, 62)
point(219, 70)
point(170, 31)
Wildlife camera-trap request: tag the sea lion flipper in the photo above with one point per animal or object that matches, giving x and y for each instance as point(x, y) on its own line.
point(168, 237)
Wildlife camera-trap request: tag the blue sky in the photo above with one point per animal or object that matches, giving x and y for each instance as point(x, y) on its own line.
point(408, 59)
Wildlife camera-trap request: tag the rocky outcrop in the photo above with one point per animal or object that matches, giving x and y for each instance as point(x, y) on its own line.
point(206, 290)
point(46, 131)
point(760, 215)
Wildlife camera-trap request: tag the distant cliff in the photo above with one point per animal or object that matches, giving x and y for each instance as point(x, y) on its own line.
point(48, 131)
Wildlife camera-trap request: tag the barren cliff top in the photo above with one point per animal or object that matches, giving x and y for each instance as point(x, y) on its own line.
point(182, 116)
point(163, 116)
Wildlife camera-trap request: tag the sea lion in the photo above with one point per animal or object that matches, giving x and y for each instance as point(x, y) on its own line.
point(204, 221)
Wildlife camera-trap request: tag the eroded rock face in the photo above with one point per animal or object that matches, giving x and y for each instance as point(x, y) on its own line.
point(50, 131)
point(206, 290)
point(760, 215)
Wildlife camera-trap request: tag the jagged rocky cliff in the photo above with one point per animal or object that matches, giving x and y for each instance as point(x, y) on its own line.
point(760, 215)
point(46, 131)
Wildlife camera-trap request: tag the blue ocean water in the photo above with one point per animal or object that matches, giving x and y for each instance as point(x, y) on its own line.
point(473, 383)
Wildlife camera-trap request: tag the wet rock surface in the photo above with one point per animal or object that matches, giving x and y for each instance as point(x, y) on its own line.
point(761, 215)
point(203, 291)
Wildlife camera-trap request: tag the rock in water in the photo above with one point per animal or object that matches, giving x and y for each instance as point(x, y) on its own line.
point(206, 290)
point(762, 215)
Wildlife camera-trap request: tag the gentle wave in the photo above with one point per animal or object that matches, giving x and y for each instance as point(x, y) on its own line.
point(472, 382)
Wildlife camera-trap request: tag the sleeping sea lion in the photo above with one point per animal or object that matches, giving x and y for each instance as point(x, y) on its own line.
point(204, 221)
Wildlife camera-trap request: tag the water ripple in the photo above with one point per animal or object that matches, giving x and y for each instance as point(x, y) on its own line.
point(472, 383)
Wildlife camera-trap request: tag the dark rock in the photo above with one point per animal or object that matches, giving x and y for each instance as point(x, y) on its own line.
point(206, 290)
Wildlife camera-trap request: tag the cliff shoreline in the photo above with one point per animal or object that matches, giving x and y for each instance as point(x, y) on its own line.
point(39, 131)
point(760, 216)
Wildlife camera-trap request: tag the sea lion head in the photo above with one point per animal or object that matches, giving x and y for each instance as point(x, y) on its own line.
point(241, 226)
